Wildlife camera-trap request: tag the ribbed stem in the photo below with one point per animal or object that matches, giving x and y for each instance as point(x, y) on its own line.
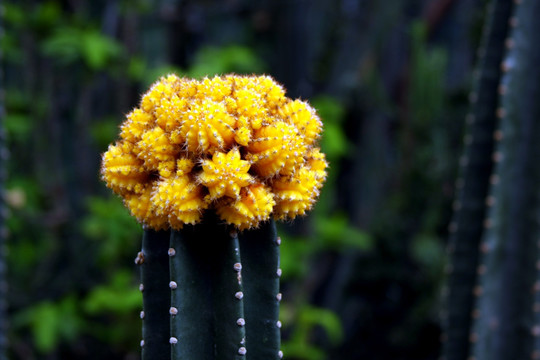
point(154, 263)
point(260, 273)
point(504, 324)
point(207, 295)
point(472, 186)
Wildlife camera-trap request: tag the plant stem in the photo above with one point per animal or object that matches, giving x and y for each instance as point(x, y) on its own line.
point(472, 187)
point(260, 272)
point(205, 268)
point(154, 263)
point(504, 324)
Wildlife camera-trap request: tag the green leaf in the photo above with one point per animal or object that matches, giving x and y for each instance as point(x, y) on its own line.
point(18, 126)
point(136, 68)
point(110, 223)
point(98, 49)
point(119, 296)
point(14, 14)
point(330, 109)
point(294, 254)
point(327, 319)
point(336, 233)
point(46, 15)
point(299, 346)
point(334, 142)
point(70, 44)
point(63, 45)
point(51, 322)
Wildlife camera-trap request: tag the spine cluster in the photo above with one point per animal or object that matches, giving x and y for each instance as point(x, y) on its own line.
point(234, 144)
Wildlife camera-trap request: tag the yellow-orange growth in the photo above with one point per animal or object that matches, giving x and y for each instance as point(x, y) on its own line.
point(230, 143)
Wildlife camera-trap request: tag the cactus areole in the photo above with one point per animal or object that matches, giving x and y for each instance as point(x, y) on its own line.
point(206, 166)
point(234, 144)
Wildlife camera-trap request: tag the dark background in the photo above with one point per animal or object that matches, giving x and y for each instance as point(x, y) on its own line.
point(362, 274)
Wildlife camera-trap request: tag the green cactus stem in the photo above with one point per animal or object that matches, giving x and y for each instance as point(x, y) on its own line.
point(154, 263)
point(504, 321)
point(207, 318)
point(472, 186)
point(210, 293)
point(260, 274)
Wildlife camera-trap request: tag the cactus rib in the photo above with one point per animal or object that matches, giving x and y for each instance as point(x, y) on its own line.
point(208, 298)
point(466, 228)
point(154, 264)
point(503, 328)
point(260, 254)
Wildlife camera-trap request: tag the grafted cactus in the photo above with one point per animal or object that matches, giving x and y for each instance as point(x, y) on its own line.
point(206, 166)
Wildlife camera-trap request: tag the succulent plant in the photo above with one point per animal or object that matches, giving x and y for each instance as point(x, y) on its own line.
point(494, 287)
point(205, 166)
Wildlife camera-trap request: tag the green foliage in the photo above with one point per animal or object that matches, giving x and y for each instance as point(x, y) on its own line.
point(51, 322)
point(18, 121)
point(70, 44)
point(334, 142)
point(330, 233)
point(335, 233)
point(118, 296)
point(110, 310)
point(306, 319)
point(109, 223)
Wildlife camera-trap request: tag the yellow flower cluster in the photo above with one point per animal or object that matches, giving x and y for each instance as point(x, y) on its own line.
point(232, 143)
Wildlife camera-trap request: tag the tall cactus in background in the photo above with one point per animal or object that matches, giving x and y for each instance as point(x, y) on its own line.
point(504, 321)
point(214, 161)
point(3, 208)
point(472, 185)
point(504, 318)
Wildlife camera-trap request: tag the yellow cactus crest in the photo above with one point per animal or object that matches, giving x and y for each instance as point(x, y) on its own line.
point(234, 144)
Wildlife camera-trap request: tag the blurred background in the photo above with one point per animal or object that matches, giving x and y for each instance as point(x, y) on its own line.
point(362, 274)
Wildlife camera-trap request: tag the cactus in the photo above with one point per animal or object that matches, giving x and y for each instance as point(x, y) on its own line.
point(207, 295)
point(214, 161)
point(505, 312)
point(154, 286)
point(472, 186)
point(504, 321)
